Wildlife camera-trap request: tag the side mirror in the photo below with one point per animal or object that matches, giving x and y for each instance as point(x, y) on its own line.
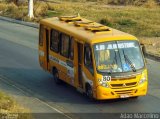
point(144, 50)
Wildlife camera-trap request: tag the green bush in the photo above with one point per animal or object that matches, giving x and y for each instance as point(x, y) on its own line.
point(11, 8)
point(127, 22)
point(3, 6)
point(106, 22)
point(40, 9)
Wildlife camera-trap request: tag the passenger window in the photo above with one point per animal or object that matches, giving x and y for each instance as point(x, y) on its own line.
point(54, 45)
point(88, 58)
point(71, 48)
point(65, 45)
point(41, 35)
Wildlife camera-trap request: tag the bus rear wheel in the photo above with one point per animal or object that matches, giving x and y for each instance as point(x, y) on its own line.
point(56, 76)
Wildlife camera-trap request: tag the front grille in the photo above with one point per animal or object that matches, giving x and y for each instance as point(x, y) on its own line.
point(124, 85)
point(116, 85)
point(131, 84)
point(130, 92)
point(121, 79)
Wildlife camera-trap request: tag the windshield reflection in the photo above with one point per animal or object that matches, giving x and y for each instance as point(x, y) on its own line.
point(118, 56)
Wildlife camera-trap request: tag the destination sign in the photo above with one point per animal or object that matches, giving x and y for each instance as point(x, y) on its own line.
point(114, 46)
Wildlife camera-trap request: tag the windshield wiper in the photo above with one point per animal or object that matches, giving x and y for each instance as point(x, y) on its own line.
point(129, 61)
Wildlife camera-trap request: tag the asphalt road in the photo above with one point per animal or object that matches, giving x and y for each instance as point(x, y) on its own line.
point(22, 77)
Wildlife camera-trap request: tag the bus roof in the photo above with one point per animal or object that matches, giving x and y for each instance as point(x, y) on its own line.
point(85, 30)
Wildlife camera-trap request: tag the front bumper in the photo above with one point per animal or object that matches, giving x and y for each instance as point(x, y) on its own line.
point(108, 93)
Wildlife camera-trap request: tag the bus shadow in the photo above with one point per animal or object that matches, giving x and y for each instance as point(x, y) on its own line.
point(40, 84)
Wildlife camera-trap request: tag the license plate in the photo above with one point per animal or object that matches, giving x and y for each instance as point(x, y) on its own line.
point(124, 96)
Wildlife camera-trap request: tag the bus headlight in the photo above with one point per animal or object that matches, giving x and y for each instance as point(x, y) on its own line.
point(143, 79)
point(103, 83)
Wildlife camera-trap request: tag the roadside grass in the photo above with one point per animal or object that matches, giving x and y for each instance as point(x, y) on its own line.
point(147, 3)
point(139, 21)
point(9, 108)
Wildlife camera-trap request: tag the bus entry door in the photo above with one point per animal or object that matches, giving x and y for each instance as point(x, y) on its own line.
point(80, 64)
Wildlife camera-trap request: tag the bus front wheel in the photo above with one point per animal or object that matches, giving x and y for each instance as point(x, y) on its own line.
point(135, 97)
point(89, 92)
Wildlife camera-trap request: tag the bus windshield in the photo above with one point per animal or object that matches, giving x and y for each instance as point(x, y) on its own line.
point(118, 56)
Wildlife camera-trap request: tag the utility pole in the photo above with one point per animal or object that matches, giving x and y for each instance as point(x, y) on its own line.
point(30, 8)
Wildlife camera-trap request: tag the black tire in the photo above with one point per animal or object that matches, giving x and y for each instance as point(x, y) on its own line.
point(89, 92)
point(56, 76)
point(135, 97)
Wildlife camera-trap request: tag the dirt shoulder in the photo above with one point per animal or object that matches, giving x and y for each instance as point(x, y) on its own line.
point(9, 109)
point(152, 45)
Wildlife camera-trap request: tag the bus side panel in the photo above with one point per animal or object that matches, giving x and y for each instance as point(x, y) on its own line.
point(70, 75)
point(76, 83)
point(58, 62)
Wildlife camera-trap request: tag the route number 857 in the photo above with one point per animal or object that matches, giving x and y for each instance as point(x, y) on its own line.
point(106, 78)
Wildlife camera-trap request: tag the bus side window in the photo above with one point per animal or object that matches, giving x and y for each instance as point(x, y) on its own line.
point(54, 40)
point(41, 31)
point(88, 58)
point(65, 45)
point(71, 53)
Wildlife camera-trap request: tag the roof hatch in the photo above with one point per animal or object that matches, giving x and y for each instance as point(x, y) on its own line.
point(98, 29)
point(86, 24)
point(70, 18)
point(83, 23)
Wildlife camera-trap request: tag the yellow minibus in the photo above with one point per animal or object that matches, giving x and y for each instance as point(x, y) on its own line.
point(102, 62)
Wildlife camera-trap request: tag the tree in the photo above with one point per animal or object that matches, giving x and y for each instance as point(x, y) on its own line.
point(30, 8)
